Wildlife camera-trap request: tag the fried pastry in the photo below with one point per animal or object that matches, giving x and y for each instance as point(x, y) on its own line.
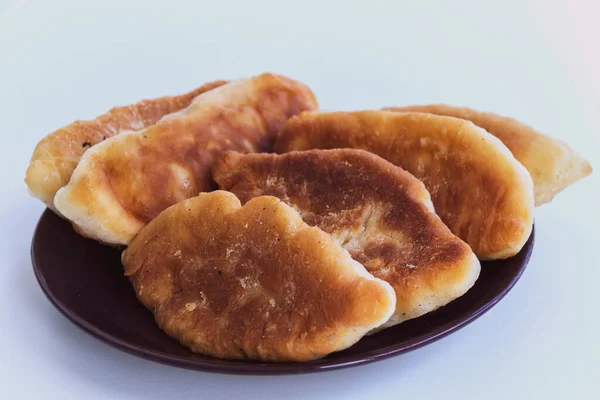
point(480, 191)
point(378, 212)
point(124, 182)
point(252, 282)
point(56, 156)
point(553, 164)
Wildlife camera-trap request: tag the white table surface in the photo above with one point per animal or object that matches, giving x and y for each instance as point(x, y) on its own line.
point(534, 60)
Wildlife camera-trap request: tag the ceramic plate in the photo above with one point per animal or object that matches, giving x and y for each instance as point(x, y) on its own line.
point(85, 281)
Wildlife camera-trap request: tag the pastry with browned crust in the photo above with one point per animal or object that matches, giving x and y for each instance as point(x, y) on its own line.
point(478, 188)
point(56, 156)
point(378, 212)
point(252, 282)
point(553, 164)
point(124, 182)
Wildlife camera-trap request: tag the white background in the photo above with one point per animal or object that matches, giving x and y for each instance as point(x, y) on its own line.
point(534, 60)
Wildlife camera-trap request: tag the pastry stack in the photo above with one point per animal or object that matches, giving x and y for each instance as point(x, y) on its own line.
point(254, 226)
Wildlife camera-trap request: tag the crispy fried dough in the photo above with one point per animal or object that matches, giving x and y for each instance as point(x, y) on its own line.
point(124, 182)
point(552, 164)
point(252, 282)
point(377, 211)
point(478, 188)
point(56, 156)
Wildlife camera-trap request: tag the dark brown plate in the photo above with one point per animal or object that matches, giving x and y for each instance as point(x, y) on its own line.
point(85, 281)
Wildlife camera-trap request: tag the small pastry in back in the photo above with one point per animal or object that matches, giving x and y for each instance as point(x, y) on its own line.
point(480, 191)
point(124, 182)
point(378, 212)
point(56, 156)
point(252, 282)
point(553, 165)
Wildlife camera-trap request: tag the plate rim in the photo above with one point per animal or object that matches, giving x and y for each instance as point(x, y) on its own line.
point(240, 367)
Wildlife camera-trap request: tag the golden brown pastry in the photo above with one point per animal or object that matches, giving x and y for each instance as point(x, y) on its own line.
point(124, 182)
point(252, 282)
point(56, 156)
point(478, 188)
point(378, 212)
point(553, 165)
